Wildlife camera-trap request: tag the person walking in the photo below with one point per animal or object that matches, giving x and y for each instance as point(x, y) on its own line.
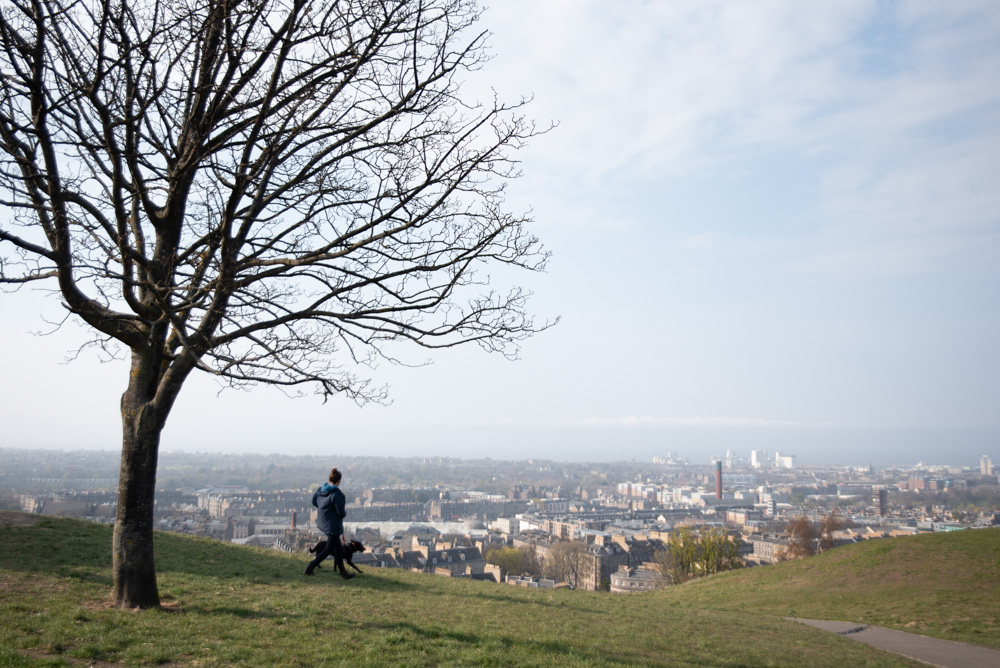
point(330, 503)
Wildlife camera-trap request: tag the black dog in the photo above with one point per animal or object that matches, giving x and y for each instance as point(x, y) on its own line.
point(349, 550)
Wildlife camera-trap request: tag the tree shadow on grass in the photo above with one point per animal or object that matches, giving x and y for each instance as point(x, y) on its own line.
point(232, 611)
point(87, 575)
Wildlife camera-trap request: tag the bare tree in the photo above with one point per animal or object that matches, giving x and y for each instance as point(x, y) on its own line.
point(802, 539)
point(532, 562)
point(269, 191)
point(830, 524)
point(565, 562)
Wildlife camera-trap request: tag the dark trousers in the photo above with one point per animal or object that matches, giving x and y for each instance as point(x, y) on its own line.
point(334, 547)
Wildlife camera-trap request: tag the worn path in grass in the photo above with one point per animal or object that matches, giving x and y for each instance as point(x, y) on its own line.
point(934, 651)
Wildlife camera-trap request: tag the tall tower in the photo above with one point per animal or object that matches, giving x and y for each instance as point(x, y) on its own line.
point(718, 479)
point(985, 465)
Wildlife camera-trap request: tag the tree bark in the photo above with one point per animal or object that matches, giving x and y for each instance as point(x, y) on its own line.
point(132, 548)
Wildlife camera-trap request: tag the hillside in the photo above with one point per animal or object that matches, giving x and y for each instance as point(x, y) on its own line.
point(945, 585)
point(230, 605)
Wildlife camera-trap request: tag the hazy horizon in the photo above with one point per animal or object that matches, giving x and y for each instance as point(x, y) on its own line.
point(862, 457)
point(773, 226)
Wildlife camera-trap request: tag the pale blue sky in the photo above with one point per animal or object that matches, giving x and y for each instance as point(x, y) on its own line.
point(773, 224)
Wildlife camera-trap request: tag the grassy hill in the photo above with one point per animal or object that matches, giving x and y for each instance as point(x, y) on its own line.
point(945, 585)
point(230, 605)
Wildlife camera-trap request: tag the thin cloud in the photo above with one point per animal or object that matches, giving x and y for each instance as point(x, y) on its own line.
point(666, 422)
point(654, 422)
point(894, 106)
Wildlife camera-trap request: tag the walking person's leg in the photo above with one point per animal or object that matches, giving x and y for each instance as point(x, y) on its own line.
point(331, 546)
point(338, 557)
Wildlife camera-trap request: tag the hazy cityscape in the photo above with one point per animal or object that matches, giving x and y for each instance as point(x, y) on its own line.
point(447, 515)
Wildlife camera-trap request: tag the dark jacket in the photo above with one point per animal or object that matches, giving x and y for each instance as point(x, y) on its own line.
point(330, 501)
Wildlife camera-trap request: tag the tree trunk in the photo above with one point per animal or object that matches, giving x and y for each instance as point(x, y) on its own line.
point(132, 548)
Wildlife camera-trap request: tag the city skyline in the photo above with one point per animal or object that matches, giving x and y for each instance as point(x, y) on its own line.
point(773, 227)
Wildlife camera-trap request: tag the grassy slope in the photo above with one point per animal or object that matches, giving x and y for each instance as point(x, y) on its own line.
point(945, 585)
point(229, 605)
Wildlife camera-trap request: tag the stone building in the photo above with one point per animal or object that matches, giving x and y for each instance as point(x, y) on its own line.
point(630, 580)
point(600, 560)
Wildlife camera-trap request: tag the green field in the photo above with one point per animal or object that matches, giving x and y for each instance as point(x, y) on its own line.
point(230, 605)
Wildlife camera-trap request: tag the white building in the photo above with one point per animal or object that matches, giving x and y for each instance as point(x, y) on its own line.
point(784, 461)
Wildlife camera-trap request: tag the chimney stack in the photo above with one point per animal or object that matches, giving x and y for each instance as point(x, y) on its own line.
point(718, 479)
point(294, 517)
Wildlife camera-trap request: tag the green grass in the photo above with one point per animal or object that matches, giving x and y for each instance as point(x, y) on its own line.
point(228, 605)
point(945, 585)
